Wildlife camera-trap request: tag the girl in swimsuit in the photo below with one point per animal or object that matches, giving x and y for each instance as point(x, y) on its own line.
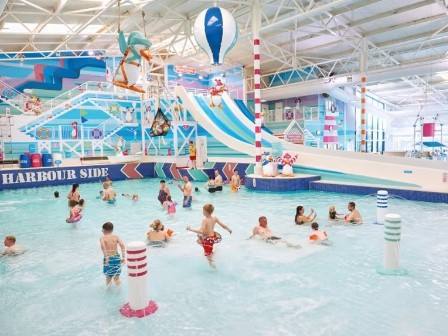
point(301, 218)
point(170, 206)
point(74, 195)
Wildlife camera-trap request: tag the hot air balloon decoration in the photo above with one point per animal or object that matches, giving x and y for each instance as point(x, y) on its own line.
point(216, 32)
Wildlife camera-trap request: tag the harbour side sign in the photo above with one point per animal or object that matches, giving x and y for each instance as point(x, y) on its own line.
point(30, 176)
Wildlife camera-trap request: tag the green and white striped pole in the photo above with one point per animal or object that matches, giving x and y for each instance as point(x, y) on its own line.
point(392, 237)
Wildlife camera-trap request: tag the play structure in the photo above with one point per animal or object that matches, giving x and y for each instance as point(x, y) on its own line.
point(141, 116)
point(428, 136)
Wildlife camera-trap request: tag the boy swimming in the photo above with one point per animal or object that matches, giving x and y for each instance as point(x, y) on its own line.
point(11, 248)
point(264, 232)
point(133, 197)
point(112, 260)
point(318, 236)
point(207, 237)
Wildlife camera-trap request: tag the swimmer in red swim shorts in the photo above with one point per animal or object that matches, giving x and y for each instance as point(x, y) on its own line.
point(207, 237)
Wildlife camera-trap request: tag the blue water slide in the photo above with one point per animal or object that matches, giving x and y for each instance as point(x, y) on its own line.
point(53, 75)
point(218, 120)
point(228, 122)
point(245, 110)
point(242, 129)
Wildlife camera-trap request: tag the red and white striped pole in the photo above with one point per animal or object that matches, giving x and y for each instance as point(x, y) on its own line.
point(138, 305)
point(363, 63)
point(256, 23)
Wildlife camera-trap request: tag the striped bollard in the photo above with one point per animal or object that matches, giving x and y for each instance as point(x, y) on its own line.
point(392, 237)
point(382, 197)
point(138, 305)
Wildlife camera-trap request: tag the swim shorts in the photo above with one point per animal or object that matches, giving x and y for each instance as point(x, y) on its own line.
point(209, 242)
point(218, 188)
point(113, 268)
point(187, 201)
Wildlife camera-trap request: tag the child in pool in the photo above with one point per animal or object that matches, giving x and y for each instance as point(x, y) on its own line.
point(133, 197)
point(235, 181)
point(109, 193)
point(75, 211)
point(211, 187)
point(11, 248)
point(207, 237)
point(112, 260)
point(317, 236)
point(170, 205)
point(158, 236)
point(332, 214)
point(56, 194)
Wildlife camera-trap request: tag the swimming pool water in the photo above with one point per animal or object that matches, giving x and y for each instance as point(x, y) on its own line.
point(57, 286)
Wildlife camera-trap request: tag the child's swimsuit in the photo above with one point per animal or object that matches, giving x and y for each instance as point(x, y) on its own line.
point(113, 268)
point(332, 214)
point(187, 201)
point(208, 242)
point(171, 208)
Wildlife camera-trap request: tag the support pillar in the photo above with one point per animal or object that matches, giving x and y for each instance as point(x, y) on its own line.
point(256, 23)
point(363, 70)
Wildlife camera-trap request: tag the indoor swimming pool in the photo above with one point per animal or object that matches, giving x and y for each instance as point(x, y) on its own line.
point(57, 287)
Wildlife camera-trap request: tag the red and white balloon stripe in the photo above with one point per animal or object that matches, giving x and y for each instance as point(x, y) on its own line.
point(363, 113)
point(257, 103)
point(138, 305)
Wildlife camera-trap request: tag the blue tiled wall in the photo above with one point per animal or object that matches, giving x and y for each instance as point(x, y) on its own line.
point(280, 184)
point(413, 195)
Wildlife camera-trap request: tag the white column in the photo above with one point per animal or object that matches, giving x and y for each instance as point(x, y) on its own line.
point(382, 197)
point(392, 237)
point(363, 70)
point(256, 23)
point(137, 263)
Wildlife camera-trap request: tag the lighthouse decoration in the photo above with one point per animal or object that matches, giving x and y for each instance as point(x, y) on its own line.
point(330, 125)
point(74, 133)
point(216, 32)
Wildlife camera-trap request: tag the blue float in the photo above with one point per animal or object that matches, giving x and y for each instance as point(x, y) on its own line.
point(47, 160)
point(25, 161)
point(216, 32)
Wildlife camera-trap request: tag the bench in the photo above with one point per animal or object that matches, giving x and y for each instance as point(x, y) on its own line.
point(93, 158)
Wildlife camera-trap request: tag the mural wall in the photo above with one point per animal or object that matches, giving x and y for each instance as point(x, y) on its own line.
point(48, 78)
point(192, 78)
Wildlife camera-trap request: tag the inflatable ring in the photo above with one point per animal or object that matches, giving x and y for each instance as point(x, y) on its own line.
point(43, 133)
point(96, 133)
